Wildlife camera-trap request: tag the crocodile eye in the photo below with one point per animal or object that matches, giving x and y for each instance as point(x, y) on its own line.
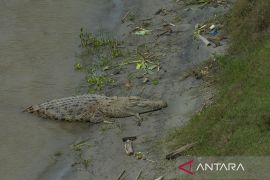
point(142, 105)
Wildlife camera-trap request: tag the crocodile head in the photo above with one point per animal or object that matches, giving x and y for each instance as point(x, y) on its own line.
point(142, 105)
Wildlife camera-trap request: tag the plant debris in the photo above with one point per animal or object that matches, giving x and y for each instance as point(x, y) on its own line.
point(159, 178)
point(161, 11)
point(141, 31)
point(174, 154)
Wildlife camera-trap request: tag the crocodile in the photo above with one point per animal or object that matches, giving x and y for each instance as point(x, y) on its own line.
point(94, 108)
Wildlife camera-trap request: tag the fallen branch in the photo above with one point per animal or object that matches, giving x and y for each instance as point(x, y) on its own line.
point(204, 4)
point(147, 19)
point(122, 173)
point(150, 160)
point(165, 32)
point(174, 154)
point(108, 122)
point(125, 16)
point(159, 178)
point(137, 178)
point(203, 106)
point(169, 24)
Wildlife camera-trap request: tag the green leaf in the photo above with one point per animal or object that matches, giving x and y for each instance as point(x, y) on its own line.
point(138, 66)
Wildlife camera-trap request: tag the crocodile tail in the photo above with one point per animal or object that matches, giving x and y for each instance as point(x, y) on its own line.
point(31, 109)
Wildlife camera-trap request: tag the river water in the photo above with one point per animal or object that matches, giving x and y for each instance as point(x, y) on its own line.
point(38, 46)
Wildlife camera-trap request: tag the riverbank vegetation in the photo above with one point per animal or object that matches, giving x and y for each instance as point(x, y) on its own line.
point(104, 56)
point(238, 122)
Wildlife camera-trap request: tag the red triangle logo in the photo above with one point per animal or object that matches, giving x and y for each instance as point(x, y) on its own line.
point(181, 167)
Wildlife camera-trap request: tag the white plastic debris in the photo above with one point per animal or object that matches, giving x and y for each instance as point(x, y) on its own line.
point(212, 27)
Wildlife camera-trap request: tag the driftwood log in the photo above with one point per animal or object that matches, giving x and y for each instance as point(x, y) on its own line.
point(128, 147)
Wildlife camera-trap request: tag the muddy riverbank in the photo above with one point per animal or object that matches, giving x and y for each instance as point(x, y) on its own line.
point(40, 42)
point(102, 155)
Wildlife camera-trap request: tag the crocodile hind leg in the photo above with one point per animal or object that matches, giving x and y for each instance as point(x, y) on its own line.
point(139, 119)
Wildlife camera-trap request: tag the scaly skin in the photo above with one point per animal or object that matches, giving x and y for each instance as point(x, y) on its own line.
point(93, 108)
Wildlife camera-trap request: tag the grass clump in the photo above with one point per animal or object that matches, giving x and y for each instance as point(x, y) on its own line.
point(238, 122)
point(90, 41)
point(101, 50)
point(97, 83)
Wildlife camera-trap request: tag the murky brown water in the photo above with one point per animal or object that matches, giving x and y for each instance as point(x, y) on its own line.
point(38, 42)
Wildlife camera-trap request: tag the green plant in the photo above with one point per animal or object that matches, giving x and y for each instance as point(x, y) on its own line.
point(58, 153)
point(77, 66)
point(105, 55)
point(86, 162)
point(90, 41)
point(97, 83)
point(115, 52)
point(77, 149)
point(144, 59)
point(155, 82)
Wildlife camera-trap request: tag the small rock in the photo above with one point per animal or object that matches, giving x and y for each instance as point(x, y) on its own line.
point(145, 80)
point(116, 71)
